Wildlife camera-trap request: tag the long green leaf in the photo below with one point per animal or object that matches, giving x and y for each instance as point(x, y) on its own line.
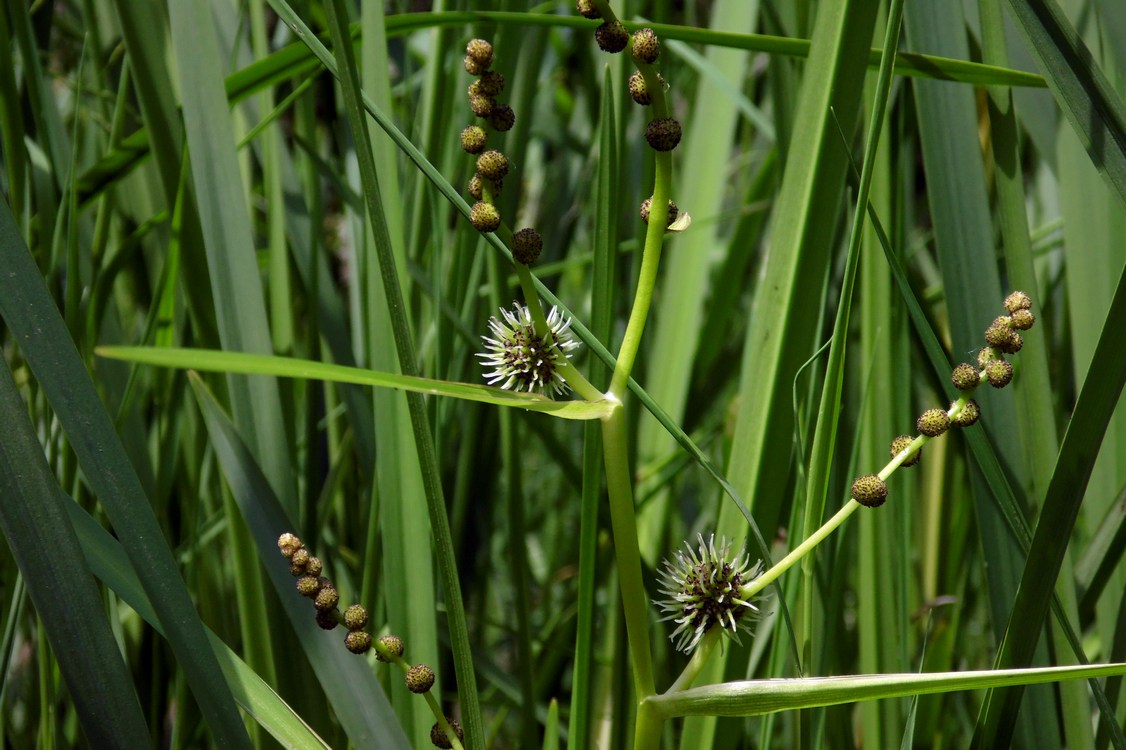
point(210, 360)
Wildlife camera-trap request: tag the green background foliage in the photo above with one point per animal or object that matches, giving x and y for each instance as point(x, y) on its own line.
point(239, 178)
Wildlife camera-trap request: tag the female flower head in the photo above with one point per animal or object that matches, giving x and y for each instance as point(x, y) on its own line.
point(521, 359)
point(705, 588)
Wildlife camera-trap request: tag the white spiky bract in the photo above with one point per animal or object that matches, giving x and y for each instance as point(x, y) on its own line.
point(704, 589)
point(520, 358)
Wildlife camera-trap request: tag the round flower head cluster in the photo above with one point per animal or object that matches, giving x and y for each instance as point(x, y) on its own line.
point(705, 589)
point(492, 166)
point(521, 359)
point(1001, 337)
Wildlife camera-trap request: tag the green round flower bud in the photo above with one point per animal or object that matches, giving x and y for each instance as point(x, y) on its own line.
point(288, 544)
point(300, 557)
point(999, 372)
point(420, 678)
point(485, 217)
point(663, 134)
point(645, 46)
point(492, 164)
point(438, 737)
point(985, 355)
point(474, 186)
point(1022, 320)
point(611, 36)
point(355, 617)
point(471, 66)
point(481, 52)
point(502, 119)
point(1014, 344)
point(587, 10)
point(327, 598)
point(473, 139)
point(638, 91)
point(933, 422)
point(389, 644)
point(527, 245)
point(870, 491)
point(968, 415)
point(357, 641)
point(489, 84)
point(647, 206)
point(1018, 301)
point(901, 444)
point(309, 586)
point(482, 106)
point(314, 566)
point(999, 333)
point(326, 619)
point(965, 377)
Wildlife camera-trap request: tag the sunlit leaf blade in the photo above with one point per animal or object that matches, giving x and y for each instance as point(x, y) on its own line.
point(756, 697)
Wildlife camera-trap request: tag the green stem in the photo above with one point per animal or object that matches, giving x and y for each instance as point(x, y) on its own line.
point(627, 551)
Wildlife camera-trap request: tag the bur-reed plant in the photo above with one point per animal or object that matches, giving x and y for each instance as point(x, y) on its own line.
point(305, 217)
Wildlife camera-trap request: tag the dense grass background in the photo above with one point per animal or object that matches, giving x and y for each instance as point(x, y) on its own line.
point(188, 175)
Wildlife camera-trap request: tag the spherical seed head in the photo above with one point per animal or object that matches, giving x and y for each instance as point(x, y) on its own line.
point(474, 186)
point(704, 589)
point(870, 491)
point(587, 10)
point(472, 67)
point(485, 217)
point(473, 139)
point(968, 415)
point(438, 737)
point(527, 245)
point(900, 444)
point(999, 372)
point(490, 83)
point(647, 206)
point(355, 617)
point(965, 377)
point(645, 47)
point(327, 598)
point(985, 355)
point(482, 106)
point(314, 566)
point(638, 91)
point(492, 164)
point(1014, 344)
point(611, 36)
point(1018, 301)
point(326, 619)
point(481, 52)
point(933, 422)
point(420, 678)
point(309, 586)
point(521, 359)
point(999, 333)
point(1022, 320)
point(288, 544)
point(663, 134)
point(502, 119)
point(301, 557)
point(357, 641)
point(392, 644)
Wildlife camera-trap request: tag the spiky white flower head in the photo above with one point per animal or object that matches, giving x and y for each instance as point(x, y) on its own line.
point(705, 588)
point(522, 360)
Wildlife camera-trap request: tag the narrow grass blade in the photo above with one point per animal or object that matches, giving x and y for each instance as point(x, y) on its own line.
point(42, 541)
point(33, 318)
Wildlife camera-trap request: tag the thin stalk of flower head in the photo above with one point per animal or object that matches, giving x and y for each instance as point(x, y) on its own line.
point(569, 372)
point(799, 552)
point(627, 551)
